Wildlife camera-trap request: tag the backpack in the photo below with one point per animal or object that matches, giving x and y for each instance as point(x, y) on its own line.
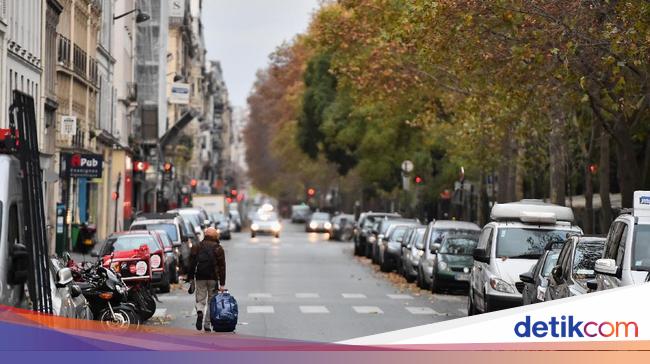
point(206, 262)
point(223, 312)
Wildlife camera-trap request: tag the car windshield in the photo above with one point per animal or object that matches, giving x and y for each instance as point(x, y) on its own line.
point(170, 229)
point(167, 243)
point(128, 242)
point(526, 243)
point(320, 216)
point(459, 245)
point(267, 216)
point(192, 216)
point(398, 233)
point(549, 263)
point(585, 257)
point(419, 238)
point(641, 248)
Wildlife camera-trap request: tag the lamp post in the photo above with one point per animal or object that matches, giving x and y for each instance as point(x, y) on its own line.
point(139, 18)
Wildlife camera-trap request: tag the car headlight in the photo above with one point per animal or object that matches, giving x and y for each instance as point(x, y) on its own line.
point(276, 227)
point(327, 225)
point(442, 265)
point(420, 253)
point(501, 285)
point(255, 227)
point(313, 225)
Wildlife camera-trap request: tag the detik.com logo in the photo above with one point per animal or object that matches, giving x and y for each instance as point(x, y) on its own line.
point(568, 326)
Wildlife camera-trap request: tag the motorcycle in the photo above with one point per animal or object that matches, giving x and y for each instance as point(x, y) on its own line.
point(106, 293)
point(86, 240)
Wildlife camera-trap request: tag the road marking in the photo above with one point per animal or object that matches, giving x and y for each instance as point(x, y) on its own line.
point(307, 295)
point(367, 309)
point(259, 295)
point(422, 311)
point(448, 298)
point(260, 309)
point(353, 295)
point(160, 312)
point(314, 309)
point(400, 296)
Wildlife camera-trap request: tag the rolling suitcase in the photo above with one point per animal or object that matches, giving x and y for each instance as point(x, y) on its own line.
point(223, 312)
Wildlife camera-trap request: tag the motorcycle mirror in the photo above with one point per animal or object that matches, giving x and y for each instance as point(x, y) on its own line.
point(63, 277)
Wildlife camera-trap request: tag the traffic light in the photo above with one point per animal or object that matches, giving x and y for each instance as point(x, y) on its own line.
point(311, 192)
point(233, 192)
point(593, 168)
point(193, 184)
point(418, 180)
point(167, 167)
point(140, 166)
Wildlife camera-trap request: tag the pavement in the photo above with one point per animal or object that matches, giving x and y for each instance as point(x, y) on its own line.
point(303, 286)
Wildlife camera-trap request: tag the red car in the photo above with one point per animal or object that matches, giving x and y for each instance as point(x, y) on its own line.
point(132, 255)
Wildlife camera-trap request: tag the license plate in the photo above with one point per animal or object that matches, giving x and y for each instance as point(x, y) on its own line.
point(462, 277)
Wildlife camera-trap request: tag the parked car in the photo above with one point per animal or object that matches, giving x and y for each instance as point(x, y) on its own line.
point(222, 224)
point(436, 231)
point(195, 215)
point(626, 260)
point(535, 281)
point(412, 250)
point(178, 230)
point(300, 213)
point(128, 253)
point(575, 266)
point(363, 230)
point(342, 227)
point(379, 231)
point(453, 261)
point(510, 245)
point(235, 218)
point(390, 248)
point(319, 223)
point(172, 259)
point(267, 223)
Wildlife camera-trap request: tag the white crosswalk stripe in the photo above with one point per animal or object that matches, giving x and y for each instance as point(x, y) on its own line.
point(367, 309)
point(260, 309)
point(307, 295)
point(314, 309)
point(400, 296)
point(422, 311)
point(259, 295)
point(353, 295)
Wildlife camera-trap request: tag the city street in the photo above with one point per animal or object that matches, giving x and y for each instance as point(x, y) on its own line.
point(303, 286)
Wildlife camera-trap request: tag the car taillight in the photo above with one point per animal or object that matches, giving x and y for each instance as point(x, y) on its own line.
point(155, 261)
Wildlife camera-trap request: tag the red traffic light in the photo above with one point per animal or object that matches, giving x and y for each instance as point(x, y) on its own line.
point(115, 196)
point(233, 192)
point(141, 166)
point(167, 167)
point(194, 182)
point(228, 200)
point(593, 168)
point(418, 180)
point(311, 192)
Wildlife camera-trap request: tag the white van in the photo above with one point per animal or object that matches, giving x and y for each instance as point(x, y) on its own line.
point(510, 245)
point(627, 251)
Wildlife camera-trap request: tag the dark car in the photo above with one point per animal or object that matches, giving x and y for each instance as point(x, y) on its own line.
point(222, 224)
point(363, 230)
point(342, 227)
point(380, 230)
point(390, 247)
point(575, 266)
point(535, 281)
point(300, 213)
point(412, 250)
point(172, 258)
point(453, 261)
point(235, 218)
point(319, 223)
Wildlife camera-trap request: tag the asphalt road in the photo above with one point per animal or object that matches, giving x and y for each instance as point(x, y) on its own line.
point(303, 286)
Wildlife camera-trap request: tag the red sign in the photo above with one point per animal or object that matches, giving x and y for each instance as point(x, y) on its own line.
point(141, 166)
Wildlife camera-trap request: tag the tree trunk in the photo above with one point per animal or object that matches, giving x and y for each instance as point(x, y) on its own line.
point(519, 173)
point(557, 159)
point(603, 183)
point(628, 168)
point(589, 202)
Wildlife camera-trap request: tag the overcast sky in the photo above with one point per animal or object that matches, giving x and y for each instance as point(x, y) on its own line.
point(242, 33)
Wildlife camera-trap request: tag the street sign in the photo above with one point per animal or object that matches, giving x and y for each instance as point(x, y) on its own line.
point(180, 93)
point(78, 165)
point(407, 166)
point(68, 125)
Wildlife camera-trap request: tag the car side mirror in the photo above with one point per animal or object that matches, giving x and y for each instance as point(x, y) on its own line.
point(606, 266)
point(481, 255)
point(557, 274)
point(19, 264)
point(63, 277)
point(527, 277)
point(435, 247)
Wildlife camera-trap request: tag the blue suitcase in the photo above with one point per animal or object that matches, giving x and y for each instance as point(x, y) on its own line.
point(223, 312)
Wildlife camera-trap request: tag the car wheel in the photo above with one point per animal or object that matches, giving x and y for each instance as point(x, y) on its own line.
point(418, 279)
point(385, 266)
point(252, 235)
point(277, 236)
point(435, 285)
point(368, 252)
point(165, 285)
point(409, 278)
point(356, 249)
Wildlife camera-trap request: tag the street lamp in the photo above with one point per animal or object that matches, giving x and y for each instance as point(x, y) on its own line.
point(139, 18)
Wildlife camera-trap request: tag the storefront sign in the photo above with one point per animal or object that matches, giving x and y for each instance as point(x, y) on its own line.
point(81, 165)
point(68, 125)
point(180, 93)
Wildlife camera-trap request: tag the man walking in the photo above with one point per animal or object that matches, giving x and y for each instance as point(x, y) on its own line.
point(208, 267)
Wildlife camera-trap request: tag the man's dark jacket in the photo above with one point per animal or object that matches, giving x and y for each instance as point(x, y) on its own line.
point(219, 270)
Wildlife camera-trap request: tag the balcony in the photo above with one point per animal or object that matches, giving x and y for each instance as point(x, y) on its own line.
point(63, 51)
point(93, 71)
point(79, 61)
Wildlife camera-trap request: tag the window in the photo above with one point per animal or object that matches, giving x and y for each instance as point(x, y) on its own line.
point(641, 250)
point(584, 259)
point(613, 238)
point(526, 243)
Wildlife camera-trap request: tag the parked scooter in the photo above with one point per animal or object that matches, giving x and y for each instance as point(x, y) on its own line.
point(106, 293)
